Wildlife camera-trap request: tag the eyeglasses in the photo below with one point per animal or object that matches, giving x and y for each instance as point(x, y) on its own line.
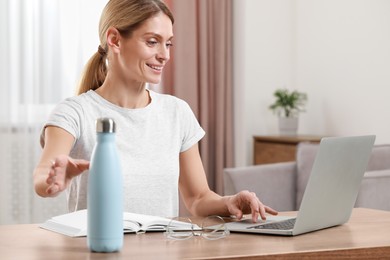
point(212, 228)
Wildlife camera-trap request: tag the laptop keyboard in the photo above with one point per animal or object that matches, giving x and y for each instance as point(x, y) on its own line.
point(283, 225)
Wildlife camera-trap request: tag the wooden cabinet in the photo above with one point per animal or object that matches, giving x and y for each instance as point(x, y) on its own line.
point(273, 149)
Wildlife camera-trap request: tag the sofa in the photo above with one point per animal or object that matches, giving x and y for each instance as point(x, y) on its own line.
point(281, 185)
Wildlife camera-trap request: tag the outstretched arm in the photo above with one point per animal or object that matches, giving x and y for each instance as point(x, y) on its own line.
point(201, 201)
point(55, 168)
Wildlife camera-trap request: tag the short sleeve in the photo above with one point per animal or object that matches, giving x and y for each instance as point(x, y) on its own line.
point(66, 115)
point(191, 131)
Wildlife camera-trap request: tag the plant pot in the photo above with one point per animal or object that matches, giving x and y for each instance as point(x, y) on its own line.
point(288, 125)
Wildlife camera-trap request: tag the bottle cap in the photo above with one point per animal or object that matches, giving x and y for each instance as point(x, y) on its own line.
point(105, 125)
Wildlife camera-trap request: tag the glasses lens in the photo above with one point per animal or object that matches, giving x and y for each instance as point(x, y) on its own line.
point(214, 228)
point(180, 229)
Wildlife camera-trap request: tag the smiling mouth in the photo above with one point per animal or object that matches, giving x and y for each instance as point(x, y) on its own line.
point(155, 67)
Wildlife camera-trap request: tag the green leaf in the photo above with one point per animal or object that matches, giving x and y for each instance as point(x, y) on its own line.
point(288, 103)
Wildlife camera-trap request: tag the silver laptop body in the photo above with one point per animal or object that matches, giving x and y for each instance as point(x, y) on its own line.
point(330, 193)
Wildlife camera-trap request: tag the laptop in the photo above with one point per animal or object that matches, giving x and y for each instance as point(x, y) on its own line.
point(330, 193)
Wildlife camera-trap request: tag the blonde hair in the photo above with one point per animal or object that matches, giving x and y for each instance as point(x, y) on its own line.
point(126, 16)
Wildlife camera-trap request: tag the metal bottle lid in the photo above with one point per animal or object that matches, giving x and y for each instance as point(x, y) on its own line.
point(105, 125)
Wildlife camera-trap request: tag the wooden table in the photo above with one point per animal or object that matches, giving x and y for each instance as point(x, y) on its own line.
point(278, 148)
point(365, 236)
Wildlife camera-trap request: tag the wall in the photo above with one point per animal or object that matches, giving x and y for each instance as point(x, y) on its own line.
point(337, 51)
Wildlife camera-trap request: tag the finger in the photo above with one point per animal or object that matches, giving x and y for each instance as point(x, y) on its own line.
point(271, 210)
point(255, 216)
point(51, 173)
point(257, 208)
point(236, 212)
point(233, 205)
point(50, 180)
point(50, 176)
point(53, 189)
point(254, 203)
point(82, 164)
point(262, 209)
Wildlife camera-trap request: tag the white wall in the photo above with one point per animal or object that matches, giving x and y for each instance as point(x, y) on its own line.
point(338, 51)
point(79, 21)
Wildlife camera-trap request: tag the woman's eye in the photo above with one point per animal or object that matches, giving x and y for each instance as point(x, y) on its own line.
point(151, 43)
point(169, 44)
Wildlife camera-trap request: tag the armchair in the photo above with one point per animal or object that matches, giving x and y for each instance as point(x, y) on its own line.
point(281, 185)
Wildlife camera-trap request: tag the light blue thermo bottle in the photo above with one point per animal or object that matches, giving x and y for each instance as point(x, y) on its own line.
point(105, 192)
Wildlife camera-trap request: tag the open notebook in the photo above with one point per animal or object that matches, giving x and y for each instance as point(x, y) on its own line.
point(75, 224)
point(330, 193)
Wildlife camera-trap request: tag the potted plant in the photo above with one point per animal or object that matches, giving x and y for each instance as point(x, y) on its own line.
point(287, 106)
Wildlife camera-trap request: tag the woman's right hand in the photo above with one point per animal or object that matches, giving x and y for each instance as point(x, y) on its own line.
point(61, 172)
point(56, 168)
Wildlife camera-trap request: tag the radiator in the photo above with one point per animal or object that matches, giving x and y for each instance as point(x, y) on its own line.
point(19, 153)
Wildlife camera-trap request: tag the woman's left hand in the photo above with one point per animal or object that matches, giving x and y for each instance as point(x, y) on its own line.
point(246, 202)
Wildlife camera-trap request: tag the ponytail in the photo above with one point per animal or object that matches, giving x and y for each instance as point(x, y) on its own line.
point(94, 72)
point(126, 16)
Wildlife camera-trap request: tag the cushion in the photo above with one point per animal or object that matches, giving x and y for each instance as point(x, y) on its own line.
point(380, 158)
point(306, 153)
point(375, 190)
point(274, 184)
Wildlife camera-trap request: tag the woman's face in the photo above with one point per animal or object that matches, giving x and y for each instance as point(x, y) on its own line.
point(144, 54)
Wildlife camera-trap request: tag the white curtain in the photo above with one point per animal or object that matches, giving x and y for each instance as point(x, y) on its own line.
point(43, 48)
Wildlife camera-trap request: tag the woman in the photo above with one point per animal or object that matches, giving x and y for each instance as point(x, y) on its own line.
point(157, 135)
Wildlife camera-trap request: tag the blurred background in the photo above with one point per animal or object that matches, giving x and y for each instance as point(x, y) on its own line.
point(336, 51)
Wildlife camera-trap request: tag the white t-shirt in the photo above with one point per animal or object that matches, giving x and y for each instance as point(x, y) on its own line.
point(149, 142)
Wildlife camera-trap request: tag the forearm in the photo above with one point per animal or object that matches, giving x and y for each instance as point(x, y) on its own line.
point(210, 204)
point(58, 144)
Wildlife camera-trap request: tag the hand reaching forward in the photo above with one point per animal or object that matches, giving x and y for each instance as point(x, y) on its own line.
point(61, 172)
point(246, 202)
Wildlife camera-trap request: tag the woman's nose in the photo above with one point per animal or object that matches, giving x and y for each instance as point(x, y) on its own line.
point(163, 53)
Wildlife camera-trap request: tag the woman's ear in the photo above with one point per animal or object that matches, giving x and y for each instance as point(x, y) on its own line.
point(113, 39)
